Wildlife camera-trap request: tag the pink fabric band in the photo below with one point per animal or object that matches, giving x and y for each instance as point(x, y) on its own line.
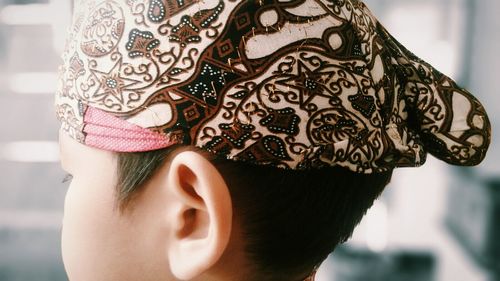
point(107, 132)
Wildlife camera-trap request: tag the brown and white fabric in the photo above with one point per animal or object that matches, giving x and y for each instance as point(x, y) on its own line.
point(296, 84)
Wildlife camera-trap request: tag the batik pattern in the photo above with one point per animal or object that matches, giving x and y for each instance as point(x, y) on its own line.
point(295, 84)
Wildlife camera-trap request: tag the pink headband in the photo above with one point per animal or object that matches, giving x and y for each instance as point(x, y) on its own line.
point(293, 84)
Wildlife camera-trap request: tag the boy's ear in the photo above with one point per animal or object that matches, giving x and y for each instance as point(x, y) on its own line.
point(200, 217)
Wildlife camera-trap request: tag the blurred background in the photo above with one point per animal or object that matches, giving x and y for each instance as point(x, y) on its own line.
point(436, 223)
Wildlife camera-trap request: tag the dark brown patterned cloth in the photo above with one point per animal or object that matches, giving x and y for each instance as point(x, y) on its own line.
point(295, 84)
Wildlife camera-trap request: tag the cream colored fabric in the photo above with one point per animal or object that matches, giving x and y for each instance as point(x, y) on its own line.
point(293, 84)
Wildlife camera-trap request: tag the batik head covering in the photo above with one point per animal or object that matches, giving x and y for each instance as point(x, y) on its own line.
point(294, 84)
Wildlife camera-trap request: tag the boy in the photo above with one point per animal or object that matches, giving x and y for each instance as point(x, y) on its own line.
point(239, 140)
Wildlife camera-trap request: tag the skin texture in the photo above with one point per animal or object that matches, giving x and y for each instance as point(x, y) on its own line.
point(179, 227)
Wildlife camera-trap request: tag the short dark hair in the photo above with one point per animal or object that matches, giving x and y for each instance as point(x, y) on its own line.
point(291, 220)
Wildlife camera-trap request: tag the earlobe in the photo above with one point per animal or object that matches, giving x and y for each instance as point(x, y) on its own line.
point(201, 220)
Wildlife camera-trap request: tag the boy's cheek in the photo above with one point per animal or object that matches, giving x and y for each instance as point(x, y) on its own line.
point(70, 253)
point(84, 227)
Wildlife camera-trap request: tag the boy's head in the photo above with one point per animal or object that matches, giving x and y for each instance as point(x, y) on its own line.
point(239, 140)
point(179, 212)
